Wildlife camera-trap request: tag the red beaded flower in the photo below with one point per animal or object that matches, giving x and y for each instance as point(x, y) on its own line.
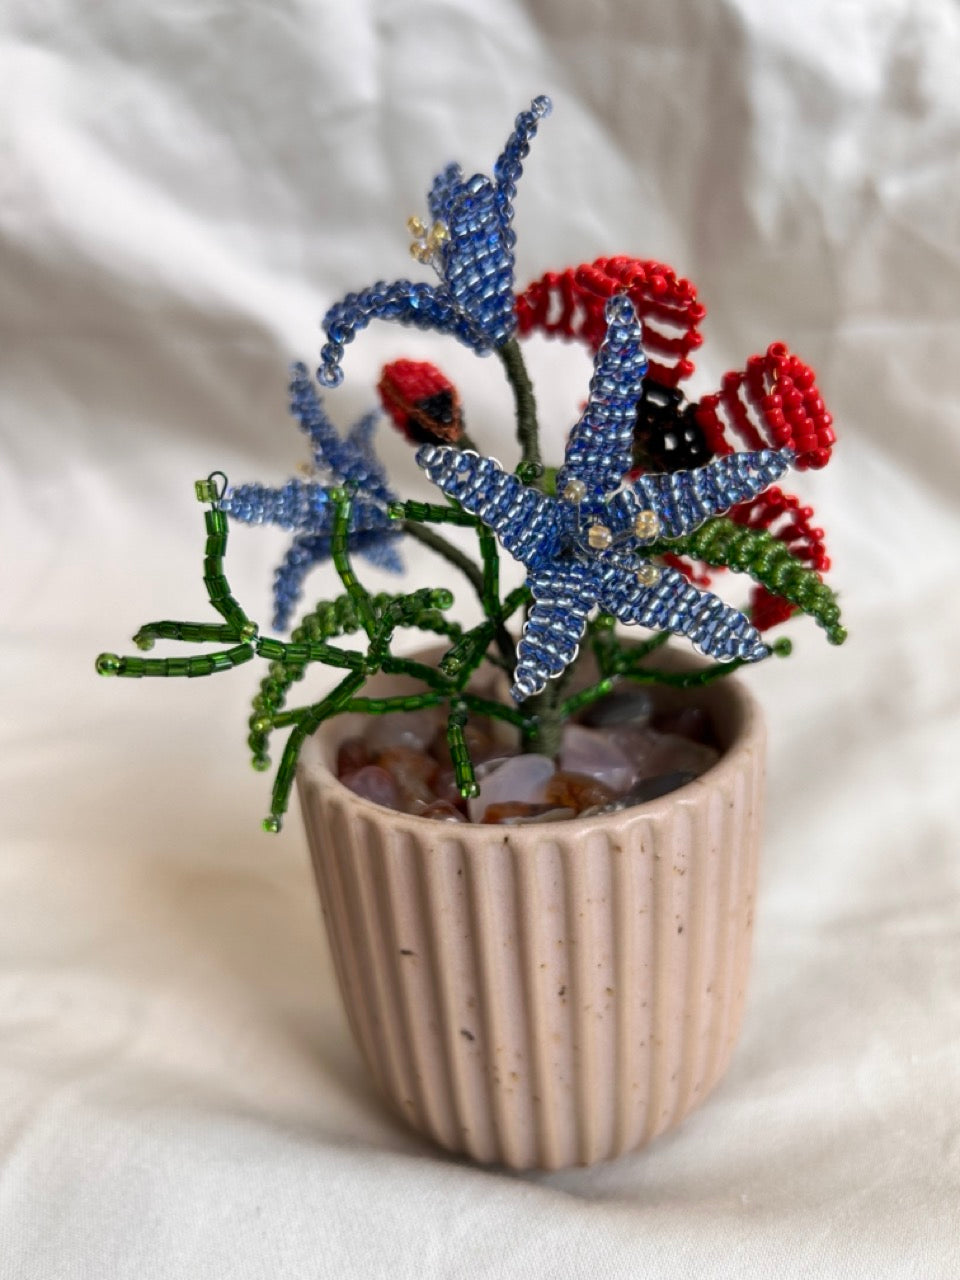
point(773, 403)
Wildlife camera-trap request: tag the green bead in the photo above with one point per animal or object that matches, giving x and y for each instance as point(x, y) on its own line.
point(268, 648)
point(108, 664)
point(143, 641)
point(261, 724)
point(528, 472)
point(206, 491)
point(783, 647)
point(261, 763)
point(249, 631)
point(272, 825)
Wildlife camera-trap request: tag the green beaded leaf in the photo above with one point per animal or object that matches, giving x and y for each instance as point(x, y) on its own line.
point(722, 542)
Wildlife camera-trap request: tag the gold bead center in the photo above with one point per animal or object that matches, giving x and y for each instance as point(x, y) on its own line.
point(427, 241)
point(647, 524)
point(599, 537)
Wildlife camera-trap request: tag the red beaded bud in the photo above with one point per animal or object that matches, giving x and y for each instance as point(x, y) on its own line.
point(422, 403)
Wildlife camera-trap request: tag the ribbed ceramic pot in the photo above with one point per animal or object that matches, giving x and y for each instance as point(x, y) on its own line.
point(554, 994)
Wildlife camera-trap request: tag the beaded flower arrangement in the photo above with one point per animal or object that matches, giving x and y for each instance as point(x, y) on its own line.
point(650, 498)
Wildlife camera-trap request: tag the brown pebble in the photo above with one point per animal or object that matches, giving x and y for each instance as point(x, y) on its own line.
point(413, 771)
point(479, 740)
point(576, 791)
point(686, 722)
point(352, 754)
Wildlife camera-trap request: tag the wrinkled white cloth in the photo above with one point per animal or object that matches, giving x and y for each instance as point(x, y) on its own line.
point(184, 189)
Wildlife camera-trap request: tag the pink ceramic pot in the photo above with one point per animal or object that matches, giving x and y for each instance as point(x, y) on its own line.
point(545, 995)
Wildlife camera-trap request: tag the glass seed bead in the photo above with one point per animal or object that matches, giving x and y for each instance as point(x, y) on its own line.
point(599, 537)
point(575, 491)
point(648, 575)
point(108, 664)
point(646, 524)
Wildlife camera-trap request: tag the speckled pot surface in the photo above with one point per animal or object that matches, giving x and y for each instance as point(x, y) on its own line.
point(553, 994)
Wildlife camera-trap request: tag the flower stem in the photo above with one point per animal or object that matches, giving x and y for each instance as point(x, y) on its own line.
point(530, 468)
point(453, 555)
point(544, 727)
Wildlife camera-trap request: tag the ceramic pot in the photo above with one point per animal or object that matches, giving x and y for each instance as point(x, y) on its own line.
point(546, 995)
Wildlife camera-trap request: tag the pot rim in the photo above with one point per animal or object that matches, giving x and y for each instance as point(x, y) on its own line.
point(312, 767)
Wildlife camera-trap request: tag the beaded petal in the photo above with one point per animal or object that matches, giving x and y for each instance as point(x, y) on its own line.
point(474, 300)
point(571, 570)
point(306, 506)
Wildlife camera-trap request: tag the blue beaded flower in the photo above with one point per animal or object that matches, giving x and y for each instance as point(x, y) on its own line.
point(586, 548)
point(469, 243)
point(305, 505)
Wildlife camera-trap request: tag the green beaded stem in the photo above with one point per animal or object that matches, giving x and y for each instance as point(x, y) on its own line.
point(493, 710)
point(299, 654)
point(430, 513)
point(207, 664)
point(340, 555)
point(723, 542)
point(190, 632)
point(433, 620)
point(367, 706)
point(307, 725)
point(518, 598)
point(585, 697)
point(214, 579)
point(398, 702)
point(603, 642)
point(468, 651)
point(463, 773)
point(418, 670)
point(405, 610)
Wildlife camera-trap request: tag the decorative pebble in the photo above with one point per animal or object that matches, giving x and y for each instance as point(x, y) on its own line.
point(401, 729)
point(352, 754)
point(479, 739)
point(577, 791)
point(686, 722)
point(412, 771)
point(627, 706)
point(593, 753)
point(647, 789)
point(374, 783)
point(627, 755)
point(520, 778)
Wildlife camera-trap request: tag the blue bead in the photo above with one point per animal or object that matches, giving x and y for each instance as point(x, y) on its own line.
point(567, 577)
point(306, 506)
point(474, 299)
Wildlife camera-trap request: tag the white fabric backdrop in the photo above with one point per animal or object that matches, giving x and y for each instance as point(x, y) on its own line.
point(185, 188)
